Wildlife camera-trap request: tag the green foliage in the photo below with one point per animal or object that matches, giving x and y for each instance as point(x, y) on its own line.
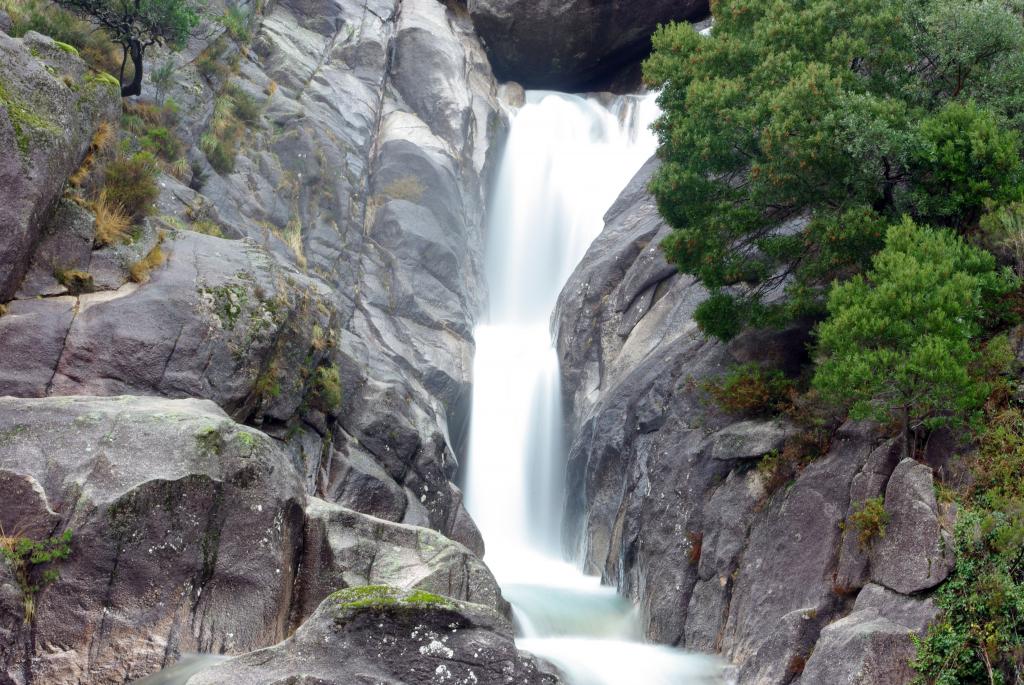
point(236, 21)
point(31, 562)
point(901, 342)
point(870, 519)
point(796, 131)
point(137, 25)
point(965, 162)
point(233, 112)
point(131, 183)
point(163, 77)
point(750, 390)
point(64, 27)
point(328, 388)
point(980, 636)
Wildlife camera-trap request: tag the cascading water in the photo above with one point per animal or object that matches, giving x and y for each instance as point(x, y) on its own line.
point(566, 160)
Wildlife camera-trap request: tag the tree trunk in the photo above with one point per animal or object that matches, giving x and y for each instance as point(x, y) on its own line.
point(135, 87)
point(906, 433)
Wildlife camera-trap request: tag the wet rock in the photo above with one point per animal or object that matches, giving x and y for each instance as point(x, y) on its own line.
point(916, 552)
point(568, 44)
point(381, 635)
point(343, 549)
point(185, 527)
point(46, 126)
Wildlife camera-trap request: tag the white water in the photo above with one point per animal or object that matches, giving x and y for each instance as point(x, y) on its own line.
point(566, 160)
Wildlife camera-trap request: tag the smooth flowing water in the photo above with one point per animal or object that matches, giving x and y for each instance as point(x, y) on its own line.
point(566, 160)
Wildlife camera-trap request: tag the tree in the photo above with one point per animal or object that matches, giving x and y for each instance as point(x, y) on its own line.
point(901, 341)
point(795, 133)
point(136, 25)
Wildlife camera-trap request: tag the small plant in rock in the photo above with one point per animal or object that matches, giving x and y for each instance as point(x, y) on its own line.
point(31, 562)
point(328, 388)
point(75, 280)
point(140, 271)
point(750, 390)
point(869, 519)
point(130, 182)
point(112, 222)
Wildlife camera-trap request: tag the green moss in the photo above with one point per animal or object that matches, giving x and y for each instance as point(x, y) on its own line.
point(209, 440)
point(70, 49)
point(384, 596)
point(103, 78)
point(27, 124)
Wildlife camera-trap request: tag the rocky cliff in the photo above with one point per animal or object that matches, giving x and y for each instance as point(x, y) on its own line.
point(219, 430)
point(691, 512)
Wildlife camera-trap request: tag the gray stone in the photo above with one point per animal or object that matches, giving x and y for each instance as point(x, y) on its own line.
point(185, 530)
point(916, 552)
point(865, 648)
point(379, 635)
point(32, 335)
point(789, 559)
point(750, 439)
point(914, 613)
point(46, 127)
point(219, 320)
point(854, 570)
point(569, 44)
point(343, 549)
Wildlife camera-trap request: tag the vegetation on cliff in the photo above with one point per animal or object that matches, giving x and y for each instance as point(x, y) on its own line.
point(858, 165)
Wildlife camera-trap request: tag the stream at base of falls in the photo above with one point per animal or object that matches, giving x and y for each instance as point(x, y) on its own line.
point(566, 160)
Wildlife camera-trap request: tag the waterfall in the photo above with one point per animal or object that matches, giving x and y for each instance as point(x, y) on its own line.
point(566, 160)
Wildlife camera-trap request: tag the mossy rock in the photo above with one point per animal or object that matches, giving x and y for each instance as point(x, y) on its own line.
point(387, 597)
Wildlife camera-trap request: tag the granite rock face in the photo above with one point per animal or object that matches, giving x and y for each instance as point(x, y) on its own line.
point(50, 107)
point(186, 527)
point(374, 635)
point(572, 45)
point(331, 325)
point(674, 502)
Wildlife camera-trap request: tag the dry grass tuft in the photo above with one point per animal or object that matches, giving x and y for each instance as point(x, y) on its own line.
point(140, 271)
point(112, 222)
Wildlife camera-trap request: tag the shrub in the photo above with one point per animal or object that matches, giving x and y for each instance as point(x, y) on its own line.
point(131, 183)
point(751, 390)
point(980, 636)
point(869, 519)
point(31, 562)
point(50, 20)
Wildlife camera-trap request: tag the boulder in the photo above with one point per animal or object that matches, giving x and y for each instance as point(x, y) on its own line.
point(343, 549)
point(377, 634)
point(865, 648)
point(916, 551)
point(572, 45)
point(750, 439)
point(50, 107)
point(185, 530)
